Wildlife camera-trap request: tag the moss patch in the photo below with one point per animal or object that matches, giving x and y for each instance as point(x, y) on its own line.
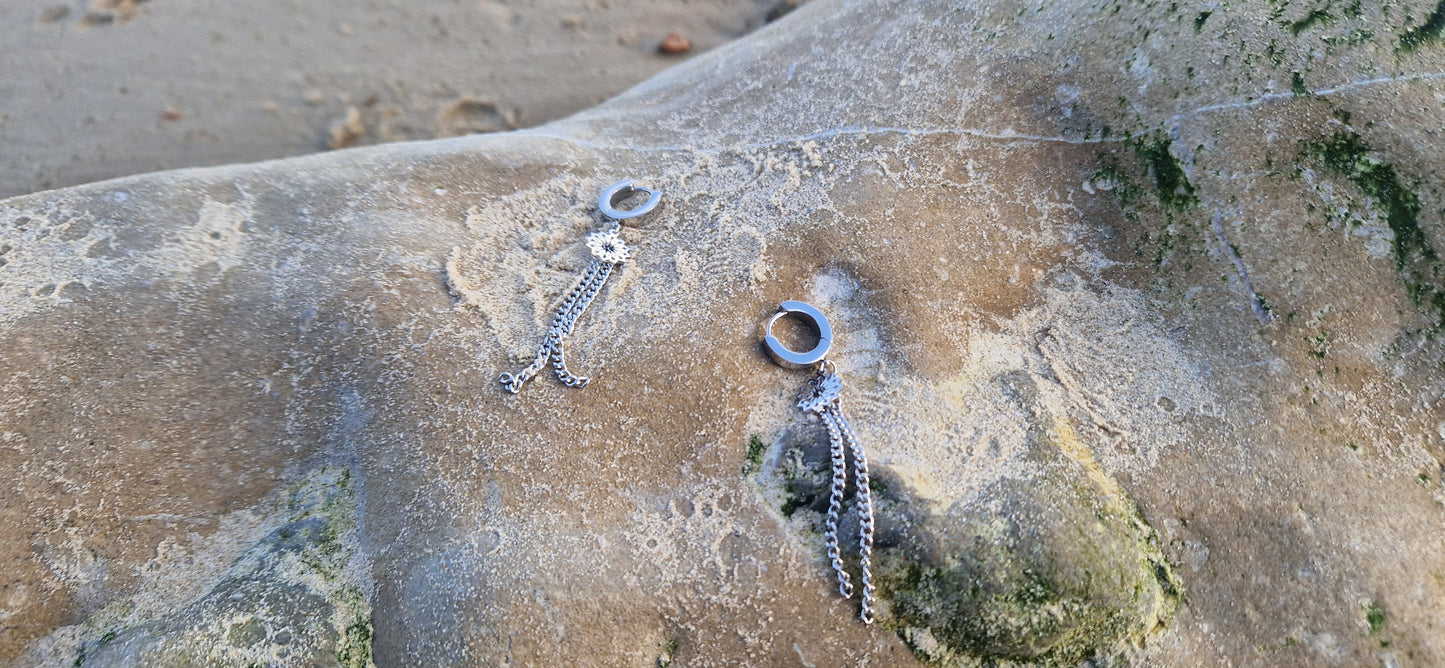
point(354, 648)
point(1297, 85)
point(1312, 19)
point(1428, 31)
point(1346, 154)
point(290, 595)
point(1129, 178)
point(803, 483)
point(1171, 184)
point(1064, 570)
point(1375, 616)
point(329, 495)
point(754, 459)
point(668, 653)
point(1200, 19)
point(1111, 177)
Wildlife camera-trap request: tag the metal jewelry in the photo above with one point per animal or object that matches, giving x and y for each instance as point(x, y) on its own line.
point(823, 397)
point(608, 253)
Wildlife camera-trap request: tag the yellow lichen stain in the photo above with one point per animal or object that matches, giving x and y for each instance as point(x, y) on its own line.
point(1072, 446)
point(1163, 599)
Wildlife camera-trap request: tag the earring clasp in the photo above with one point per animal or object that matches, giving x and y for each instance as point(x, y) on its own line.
point(795, 360)
point(620, 191)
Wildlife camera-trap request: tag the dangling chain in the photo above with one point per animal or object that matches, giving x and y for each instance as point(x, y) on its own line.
point(610, 252)
point(824, 398)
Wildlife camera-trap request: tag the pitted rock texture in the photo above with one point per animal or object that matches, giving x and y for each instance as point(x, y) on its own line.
point(1139, 320)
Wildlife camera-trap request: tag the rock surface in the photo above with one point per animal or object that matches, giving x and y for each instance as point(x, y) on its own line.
point(1140, 310)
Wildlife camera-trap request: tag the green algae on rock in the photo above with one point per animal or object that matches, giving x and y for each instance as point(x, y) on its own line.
point(1346, 154)
point(1375, 616)
point(1428, 31)
point(290, 599)
point(1050, 571)
point(1046, 568)
point(754, 458)
point(1171, 183)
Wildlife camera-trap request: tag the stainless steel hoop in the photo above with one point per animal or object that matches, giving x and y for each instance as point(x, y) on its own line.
point(789, 359)
point(621, 190)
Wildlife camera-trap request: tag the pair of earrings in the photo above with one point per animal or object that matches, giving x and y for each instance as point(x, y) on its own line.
point(822, 397)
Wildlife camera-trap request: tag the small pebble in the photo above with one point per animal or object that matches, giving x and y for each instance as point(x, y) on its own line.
point(674, 44)
point(171, 114)
point(347, 131)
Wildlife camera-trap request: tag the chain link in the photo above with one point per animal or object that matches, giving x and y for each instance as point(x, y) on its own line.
point(565, 320)
point(865, 509)
point(835, 504)
point(824, 398)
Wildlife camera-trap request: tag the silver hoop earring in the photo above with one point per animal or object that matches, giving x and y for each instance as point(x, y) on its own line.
point(608, 253)
point(823, 397)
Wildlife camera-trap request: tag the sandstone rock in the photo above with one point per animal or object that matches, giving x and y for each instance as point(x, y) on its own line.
point(1140, 312)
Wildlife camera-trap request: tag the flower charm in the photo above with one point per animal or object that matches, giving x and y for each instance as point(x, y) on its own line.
point(608, 247)
point(821, 393)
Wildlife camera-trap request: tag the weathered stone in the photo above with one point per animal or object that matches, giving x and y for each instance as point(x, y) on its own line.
point(294, 598)
point(1139, 321)
point(1056, 569)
